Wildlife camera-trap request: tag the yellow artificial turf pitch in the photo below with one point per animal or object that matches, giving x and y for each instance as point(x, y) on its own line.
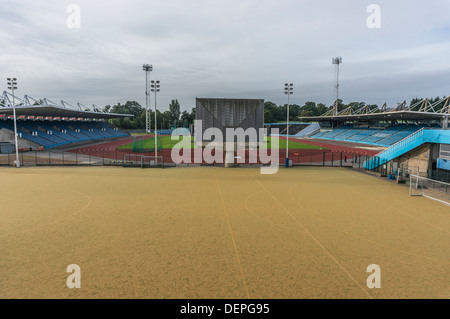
point(218, 233)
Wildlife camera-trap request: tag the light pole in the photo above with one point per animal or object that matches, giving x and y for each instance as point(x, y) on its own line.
point(12, 85)
point(155, 88)
point(336, 61)
point(288, 90)
point(147, 68)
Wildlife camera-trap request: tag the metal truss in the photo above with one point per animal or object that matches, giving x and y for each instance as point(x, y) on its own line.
point(424, 106)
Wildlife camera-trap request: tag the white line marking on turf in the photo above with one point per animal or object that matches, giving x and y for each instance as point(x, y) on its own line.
point(231, 233)
point(314, 239)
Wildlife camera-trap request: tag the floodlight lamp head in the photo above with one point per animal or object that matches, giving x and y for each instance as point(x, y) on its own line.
point(147, 67)
point(337, 60)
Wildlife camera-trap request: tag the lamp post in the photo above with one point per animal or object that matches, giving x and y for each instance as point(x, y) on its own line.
point(288, 90)
point(155, 88)
point(12, 85)
point(336, 61)
point(147, 68)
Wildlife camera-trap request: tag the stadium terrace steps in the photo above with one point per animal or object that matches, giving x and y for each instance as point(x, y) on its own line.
point(334, 133)
point(319, 134)
point(112, 131)
point(310, 129)
point(380, 138)
point(52, 134)
point(374, 136)
point(416, 139)
point(348, 134)
point(363, 135)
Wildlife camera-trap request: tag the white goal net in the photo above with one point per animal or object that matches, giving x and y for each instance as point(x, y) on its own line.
point(430, 188)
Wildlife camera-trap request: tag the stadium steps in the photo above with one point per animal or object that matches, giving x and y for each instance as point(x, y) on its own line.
point(44, 132)
point(348, 134)
point(83, 133)
point(111, 130)
point(416, 139)
point(386, 133)
point(331, 135)
point(58, 132)
point(27, 131)
point(57, 138)
point(309, 130)
point(363, 135)
point(319, 134)
point(404, 132)
point(95, 130)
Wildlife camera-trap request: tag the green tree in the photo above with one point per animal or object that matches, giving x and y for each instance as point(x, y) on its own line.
point(130, 107)
point(174, 111)
point(321, 109)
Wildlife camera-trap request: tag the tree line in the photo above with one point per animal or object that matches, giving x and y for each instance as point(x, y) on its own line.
point(173, 117)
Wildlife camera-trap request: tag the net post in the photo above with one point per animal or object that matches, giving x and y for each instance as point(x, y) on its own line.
point(410, 185)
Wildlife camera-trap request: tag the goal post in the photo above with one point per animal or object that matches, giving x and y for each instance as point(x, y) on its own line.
point(131, 160)
point(430, 188)
point(152, 161)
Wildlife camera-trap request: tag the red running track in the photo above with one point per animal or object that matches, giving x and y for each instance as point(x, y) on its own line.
point(331, 152)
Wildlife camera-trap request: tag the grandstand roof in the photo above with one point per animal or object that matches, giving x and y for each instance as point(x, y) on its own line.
point(399, 115)
point(421, 110)
point(56, 111)
point(46, 107)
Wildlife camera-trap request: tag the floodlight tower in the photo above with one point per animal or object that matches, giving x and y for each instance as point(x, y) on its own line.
point(12, 85)
point(336, 61)
point(155, 88)
point(147, 68)
point(288, 90)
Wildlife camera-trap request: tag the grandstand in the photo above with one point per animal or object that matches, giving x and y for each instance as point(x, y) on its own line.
point(411, 137)
point(374, 135)
point(44, 124)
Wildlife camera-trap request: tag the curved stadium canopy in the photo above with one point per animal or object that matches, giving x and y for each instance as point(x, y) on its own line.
point(46, 108)
point(57, 111)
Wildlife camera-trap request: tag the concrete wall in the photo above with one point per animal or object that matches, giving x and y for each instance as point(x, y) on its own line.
point(8, 136)
point(417, 160)
point(6, 148)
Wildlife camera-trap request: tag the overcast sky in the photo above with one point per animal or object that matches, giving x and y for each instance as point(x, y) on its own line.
point(225, 48)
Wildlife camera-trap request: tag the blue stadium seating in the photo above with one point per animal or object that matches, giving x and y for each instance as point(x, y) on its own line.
point(348, 134)
point(336, 132)
point(376, 136)
point(363, 135)
point(319, 134)
point(55, 133)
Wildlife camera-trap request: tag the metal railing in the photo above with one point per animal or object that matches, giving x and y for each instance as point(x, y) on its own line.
point(394, 147)
point(383, 155)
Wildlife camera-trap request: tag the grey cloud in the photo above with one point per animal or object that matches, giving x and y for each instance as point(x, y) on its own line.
point(225, 48)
